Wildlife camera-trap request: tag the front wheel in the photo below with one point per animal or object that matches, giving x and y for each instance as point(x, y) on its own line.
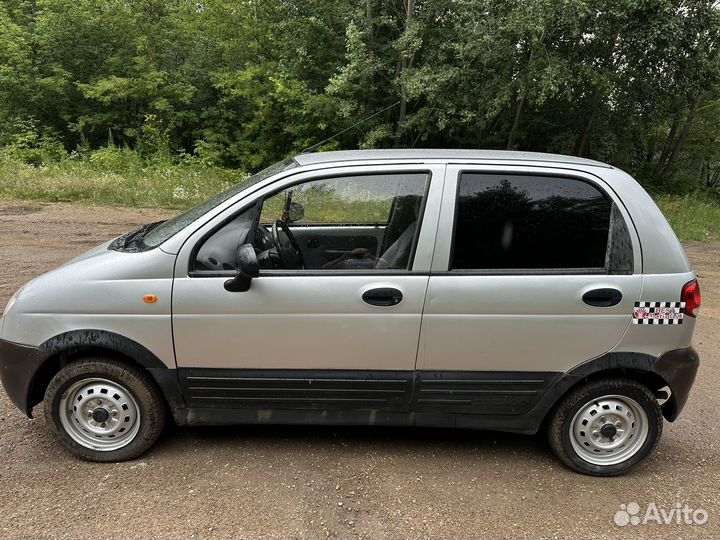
point(104, 410)
point(606, 427)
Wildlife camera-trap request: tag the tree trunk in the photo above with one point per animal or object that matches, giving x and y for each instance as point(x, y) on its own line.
point(521, 103)
point(370, 43)
point(581, 148)
point(668, 142)
point(404, 64)
point(668, 168)
point(714, 180)
point(516, 121)
point(401, 115)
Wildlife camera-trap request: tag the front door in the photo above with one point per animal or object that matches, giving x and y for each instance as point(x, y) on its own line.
point(536, 270)
point(334, 327)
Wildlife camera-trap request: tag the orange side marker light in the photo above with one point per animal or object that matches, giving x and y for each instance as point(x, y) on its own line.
point(149, 298)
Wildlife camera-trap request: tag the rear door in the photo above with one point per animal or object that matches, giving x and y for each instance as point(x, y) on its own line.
point(535, 271)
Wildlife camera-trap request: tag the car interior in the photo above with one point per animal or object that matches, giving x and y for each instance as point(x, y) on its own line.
point(301, 228)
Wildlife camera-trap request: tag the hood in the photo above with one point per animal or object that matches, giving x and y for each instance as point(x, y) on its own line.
point(89, 253)
point(98, 265)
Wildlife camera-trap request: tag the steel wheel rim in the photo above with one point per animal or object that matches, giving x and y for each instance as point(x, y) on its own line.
point(596, 442)
point(99, 414)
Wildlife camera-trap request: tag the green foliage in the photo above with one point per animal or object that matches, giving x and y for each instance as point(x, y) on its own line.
point(220, 84)
point(26, 142)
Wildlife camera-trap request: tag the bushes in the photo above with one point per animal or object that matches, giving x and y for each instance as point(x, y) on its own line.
point(25, 141)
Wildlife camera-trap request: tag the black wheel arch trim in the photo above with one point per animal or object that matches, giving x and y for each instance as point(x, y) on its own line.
point(24, 369)
point(19, 365)
point(78, 340)
point(675, 369)
point(678, 368)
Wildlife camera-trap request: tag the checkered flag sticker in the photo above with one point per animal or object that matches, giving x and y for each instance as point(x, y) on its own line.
point(658, 313)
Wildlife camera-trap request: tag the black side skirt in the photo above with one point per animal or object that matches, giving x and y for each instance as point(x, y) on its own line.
point(473, 399)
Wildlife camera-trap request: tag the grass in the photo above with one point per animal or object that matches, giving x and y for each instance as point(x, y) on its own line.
point(114, 178)
point(117, 177)
point(693, 217)
point(328, 206)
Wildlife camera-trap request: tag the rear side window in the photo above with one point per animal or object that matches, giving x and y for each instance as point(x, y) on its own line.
point(529, 222)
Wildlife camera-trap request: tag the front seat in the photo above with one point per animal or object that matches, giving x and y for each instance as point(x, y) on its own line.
point(397, 255)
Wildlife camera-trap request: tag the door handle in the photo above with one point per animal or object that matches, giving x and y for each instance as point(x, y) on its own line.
point(382, 296)
point(602, 297)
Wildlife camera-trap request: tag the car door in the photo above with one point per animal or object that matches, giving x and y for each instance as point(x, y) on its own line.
point(536, 270)
point(337, 335)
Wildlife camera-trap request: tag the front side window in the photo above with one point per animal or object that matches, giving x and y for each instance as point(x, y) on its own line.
point(364, 222)
point(529, 222)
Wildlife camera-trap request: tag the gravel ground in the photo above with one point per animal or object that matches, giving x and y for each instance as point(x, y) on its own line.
point(299, 482)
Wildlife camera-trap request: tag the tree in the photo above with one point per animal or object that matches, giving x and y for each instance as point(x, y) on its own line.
point(242, 83)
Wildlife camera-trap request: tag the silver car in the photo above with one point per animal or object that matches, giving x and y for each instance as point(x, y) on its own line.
point(454, 288)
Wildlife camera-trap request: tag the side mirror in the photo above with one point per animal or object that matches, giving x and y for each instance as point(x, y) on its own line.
point(247, 268)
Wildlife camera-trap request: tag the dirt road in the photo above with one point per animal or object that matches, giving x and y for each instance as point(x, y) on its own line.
point(290, 482)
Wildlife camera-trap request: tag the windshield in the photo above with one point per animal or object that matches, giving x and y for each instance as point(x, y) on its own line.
point(168, 229)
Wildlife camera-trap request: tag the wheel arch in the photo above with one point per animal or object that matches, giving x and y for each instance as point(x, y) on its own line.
point(637, 367)
point(65, 348)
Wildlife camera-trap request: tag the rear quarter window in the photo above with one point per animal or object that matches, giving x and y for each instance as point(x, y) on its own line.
point(529, 222)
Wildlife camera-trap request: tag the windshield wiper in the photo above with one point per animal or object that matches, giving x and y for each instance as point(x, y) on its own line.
point(132, 237)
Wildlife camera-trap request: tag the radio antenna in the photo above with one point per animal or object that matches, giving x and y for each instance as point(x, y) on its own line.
point(325, 141)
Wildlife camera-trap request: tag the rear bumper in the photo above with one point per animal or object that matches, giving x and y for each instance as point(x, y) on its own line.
point(18, 366)
point(678, 369)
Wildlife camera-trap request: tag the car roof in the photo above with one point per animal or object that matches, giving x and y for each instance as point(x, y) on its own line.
point(419, 154)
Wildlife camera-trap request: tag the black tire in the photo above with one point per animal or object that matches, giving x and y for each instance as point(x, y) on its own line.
point(136, 382)
point(560, 429)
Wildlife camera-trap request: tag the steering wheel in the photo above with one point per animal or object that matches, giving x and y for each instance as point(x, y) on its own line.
point(287, 249)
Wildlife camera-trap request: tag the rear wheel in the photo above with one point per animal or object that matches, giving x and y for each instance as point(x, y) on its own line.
point(606, 427)
point(104, 410)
